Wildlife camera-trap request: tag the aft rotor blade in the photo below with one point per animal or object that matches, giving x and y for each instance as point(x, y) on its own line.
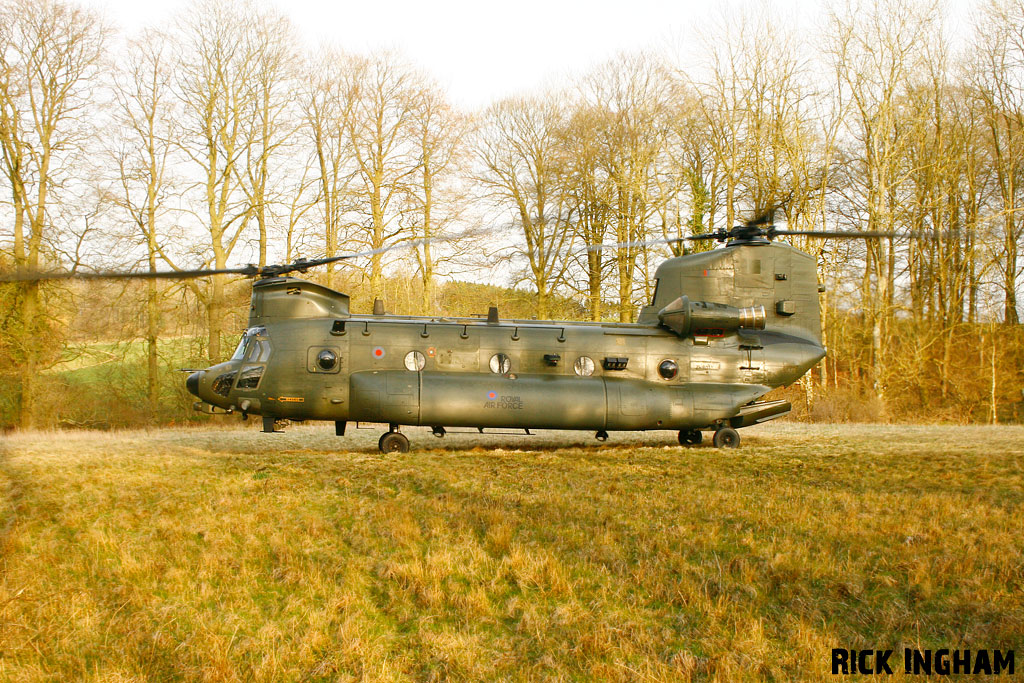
point(38, 276)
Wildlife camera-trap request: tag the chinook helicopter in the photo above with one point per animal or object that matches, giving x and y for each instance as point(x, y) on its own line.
point(724, 328)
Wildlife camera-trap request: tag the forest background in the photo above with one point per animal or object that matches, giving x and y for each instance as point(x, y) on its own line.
point(222, 139)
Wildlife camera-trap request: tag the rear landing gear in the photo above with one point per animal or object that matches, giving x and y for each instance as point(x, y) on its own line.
point(393, 442)
point(690, 437)
point(726, 437)
point(601, 435)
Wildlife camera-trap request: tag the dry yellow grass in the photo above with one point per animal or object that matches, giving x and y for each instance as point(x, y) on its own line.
point(225, 555)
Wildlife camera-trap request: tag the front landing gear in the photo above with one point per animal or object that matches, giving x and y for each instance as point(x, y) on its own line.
point(393, 442)
point(726, 437)
point(690, 437)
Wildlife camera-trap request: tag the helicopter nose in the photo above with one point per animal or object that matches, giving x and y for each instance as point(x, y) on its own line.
point(192, 383)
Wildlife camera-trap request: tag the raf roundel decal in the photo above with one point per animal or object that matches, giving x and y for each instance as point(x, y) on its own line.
point(378, 352)
point(492, 395)
point(431, 351)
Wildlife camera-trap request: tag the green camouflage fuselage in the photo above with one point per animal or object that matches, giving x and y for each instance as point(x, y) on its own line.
point(684, 365)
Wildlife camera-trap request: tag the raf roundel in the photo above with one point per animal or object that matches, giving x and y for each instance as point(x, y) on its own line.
point(378, 352)
point(492, 395)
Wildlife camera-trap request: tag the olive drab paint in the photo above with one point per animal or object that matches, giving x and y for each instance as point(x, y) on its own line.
point(724, 328)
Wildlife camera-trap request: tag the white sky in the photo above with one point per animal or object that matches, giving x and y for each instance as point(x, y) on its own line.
point(484, 50)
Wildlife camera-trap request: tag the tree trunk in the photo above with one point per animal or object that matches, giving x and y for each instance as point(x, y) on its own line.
point(214, 318)
point(30, 365)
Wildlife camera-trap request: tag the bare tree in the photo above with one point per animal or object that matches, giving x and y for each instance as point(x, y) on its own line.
point(215, 71)
point(634, 96)
point(380, 137)
point(435, 201)
point(327, 98)
point(272, 59)
point(49, 57)
point(874, 51)
point(997, 75)
point(145, 111)
point(524, 168)
point(589, 195)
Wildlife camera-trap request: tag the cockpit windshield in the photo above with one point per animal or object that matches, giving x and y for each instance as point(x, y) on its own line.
point(254, 345)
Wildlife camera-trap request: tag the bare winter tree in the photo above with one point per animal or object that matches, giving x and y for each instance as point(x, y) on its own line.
point(381, 137)
point(215, 72)
point(269, 117)
point(435, 200)
point(49, 58)
point(327, 97)
point(997, 76)
point(634, 97)
point(874, 50)
point(142, 152)
point(589, 194)
point(524, 170)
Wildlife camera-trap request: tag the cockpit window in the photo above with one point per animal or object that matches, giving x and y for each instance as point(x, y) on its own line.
point(240, 350)
point(254, 345)
point(654, 297)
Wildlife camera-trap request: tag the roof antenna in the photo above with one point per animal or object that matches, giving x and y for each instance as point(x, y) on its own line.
point(378, 306)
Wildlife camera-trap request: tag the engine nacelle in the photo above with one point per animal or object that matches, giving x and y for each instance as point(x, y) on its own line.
point(685, 317)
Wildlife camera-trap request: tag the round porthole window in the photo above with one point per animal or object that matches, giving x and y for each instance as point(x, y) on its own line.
point(501, 364)
point(414, 361)
point(584, 366)
point(668, 369)
point(327, 359)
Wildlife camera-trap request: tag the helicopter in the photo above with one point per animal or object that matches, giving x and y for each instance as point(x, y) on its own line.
point(724, 328)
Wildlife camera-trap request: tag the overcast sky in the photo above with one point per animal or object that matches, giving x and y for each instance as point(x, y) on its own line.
point(483, 50)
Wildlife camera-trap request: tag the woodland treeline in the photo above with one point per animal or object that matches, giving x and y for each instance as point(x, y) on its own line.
point(222, 139)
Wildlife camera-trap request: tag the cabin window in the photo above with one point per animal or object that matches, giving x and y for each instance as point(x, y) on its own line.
point(500, 364)
point(414, 361)
point(668, 369)
point(584, 366)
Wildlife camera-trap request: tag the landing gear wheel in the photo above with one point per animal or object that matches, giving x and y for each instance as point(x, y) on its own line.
point(726, 437)
point(690, 437)
point(393, 442)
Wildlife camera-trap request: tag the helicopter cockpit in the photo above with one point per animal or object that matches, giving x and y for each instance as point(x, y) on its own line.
point(242, 371)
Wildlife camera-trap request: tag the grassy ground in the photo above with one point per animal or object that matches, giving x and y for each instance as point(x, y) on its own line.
point(223, 554)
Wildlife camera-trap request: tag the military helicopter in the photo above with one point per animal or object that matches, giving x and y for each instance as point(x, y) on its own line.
point(723, 329)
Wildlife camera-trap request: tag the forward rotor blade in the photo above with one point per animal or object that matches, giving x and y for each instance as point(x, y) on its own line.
point(38, 276)
point(250, 270)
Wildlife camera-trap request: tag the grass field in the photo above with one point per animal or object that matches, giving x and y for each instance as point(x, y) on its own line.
point(223, 554)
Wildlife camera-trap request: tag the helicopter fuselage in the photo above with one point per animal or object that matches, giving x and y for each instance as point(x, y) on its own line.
point(305, 357)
